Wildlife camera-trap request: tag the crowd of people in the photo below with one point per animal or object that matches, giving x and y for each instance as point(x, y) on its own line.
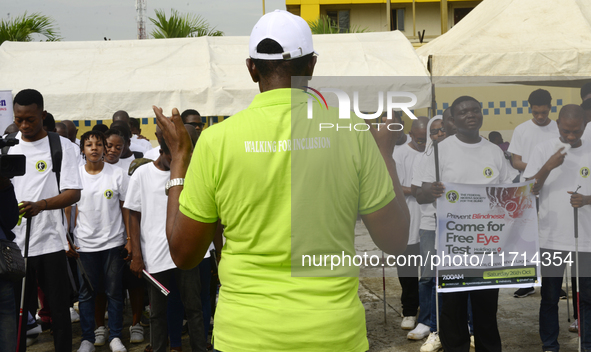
point(135, 212)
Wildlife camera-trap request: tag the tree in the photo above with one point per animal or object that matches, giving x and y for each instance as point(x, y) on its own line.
point(22, 28)
point(324, 25)
point(180, 25)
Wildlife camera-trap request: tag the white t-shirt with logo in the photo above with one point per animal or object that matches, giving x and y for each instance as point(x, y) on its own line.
point(99, 225)
point(427, 210)
point(527, 135)
point(405, 156)
point(459, 162)
point(145, 194)
point(587, 133)
point(48, 228)
point(556, 219)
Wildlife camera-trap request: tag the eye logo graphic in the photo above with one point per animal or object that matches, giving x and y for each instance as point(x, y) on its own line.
point(452, 196)
point(584, 172)
point(108, 194)
point(41, 166)
point(319, 94)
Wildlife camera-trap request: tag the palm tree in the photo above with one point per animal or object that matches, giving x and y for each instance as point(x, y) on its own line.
point(324, 25)
point(181, 26)
point(21, 28)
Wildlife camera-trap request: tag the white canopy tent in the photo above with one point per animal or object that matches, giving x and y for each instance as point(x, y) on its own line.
point(91, 80)
point(529, 40)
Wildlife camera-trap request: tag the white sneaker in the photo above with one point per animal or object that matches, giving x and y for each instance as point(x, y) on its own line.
point(117, 346)
point(408, 323)
point(31, 339)
point(419, 333)
point(86, 346)
point(574, 327)
point(432, 344)
point(100, 336)
point(136, 333)
point(74, 316)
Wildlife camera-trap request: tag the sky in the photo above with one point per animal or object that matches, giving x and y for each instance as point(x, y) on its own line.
point(86, 20)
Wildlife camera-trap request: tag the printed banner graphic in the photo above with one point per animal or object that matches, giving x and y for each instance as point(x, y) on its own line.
point(6, 114)
point(487, 237)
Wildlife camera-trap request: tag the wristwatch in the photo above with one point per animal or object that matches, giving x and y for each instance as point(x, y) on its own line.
point(172, 183)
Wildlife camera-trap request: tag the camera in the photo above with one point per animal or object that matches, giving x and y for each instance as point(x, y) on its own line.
point(11, 165)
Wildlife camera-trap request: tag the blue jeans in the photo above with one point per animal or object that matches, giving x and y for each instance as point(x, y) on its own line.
point(7, 316)
point(551, 286)
point(104, 270)
point(427, 313)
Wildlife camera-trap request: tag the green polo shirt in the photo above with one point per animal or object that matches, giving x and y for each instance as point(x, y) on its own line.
point(284, 188)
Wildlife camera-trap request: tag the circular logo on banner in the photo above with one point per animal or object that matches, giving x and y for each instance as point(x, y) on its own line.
point(584, 172)
point(488, 172)
point(452, 196)
point(41, 166)
point(108, 194)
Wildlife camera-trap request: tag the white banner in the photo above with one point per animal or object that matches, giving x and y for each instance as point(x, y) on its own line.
point(6, 113)
point(487, 237)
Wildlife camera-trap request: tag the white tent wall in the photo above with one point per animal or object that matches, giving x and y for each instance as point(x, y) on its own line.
point(92, 80)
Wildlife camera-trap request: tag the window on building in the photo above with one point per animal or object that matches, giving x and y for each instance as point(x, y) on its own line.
point(340, 19)
point(397, 19)
point(460, 13)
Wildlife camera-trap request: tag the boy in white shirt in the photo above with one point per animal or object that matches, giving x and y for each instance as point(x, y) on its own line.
point(462, 159)
point(560, 165)
point(146, 200)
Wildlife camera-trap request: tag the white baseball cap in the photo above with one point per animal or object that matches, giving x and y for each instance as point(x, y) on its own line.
point(290, 31)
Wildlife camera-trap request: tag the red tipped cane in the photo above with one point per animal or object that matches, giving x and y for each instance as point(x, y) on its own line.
point(576, 218)
point(20, 312)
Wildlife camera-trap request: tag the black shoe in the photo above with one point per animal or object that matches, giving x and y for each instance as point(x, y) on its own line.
point(524, 292)
point(562, 294)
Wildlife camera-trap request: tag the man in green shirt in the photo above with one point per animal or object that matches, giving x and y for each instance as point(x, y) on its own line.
point(283, 190)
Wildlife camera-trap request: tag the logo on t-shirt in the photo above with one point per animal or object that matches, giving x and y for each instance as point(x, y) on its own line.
point(584, 172)
point(108, 194)
point(41, 166)
point(452, 196)
point(488, 172)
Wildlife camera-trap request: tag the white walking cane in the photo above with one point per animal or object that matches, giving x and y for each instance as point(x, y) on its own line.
point(576, 218)
point(26, 257)
point(384, 285)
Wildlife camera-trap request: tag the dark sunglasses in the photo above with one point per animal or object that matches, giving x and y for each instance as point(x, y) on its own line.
point(436, 131)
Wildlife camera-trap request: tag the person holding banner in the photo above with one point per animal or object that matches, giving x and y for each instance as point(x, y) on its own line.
point(560, 166)
point(467, 158)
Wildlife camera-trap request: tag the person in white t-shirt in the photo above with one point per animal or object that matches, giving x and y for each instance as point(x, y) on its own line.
point(100, 238)
point(427, 323)
point(43, 201)
point(139, 142)
point(115, 144)
point(539, 129)
point(404, 156)
point(127, 156)
point(525, 138)
point(462, 159)
point(560, 166)
point(147, 203)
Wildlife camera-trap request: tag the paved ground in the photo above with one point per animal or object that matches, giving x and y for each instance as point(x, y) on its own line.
point(518, 317)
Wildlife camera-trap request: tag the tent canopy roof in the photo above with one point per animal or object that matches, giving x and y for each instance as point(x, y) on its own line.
point(520, 38)
point(92, 80)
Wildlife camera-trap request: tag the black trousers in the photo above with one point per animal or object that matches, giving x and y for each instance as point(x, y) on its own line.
point(409, 280)
point(51, 272)
point(453, 322)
